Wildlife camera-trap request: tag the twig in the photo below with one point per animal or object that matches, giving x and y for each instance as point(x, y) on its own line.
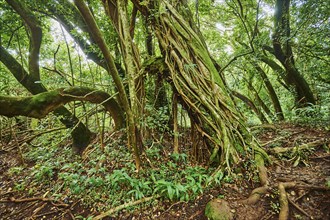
point(5, 193)
point(196, 214)
point(46, 213)
point(29, 139)
point(12, 199)
point(21, 211)
point(302, 195)
point(123, 206)
point(298, 208)
point(174, 205)
point(39, 208)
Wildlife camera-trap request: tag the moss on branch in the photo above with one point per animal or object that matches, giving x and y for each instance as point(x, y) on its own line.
point(38, 106)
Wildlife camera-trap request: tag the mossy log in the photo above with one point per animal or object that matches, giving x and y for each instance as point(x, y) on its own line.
point(40, 105)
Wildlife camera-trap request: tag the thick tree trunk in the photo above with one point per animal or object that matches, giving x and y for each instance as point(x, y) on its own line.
point(283, 52)
point(200, 86)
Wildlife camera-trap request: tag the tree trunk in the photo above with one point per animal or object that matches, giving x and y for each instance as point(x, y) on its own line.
point(175, 124)
point(283, 52)
point(271, 91)
point(251, 105)
point(200, 86)
point(98, 38)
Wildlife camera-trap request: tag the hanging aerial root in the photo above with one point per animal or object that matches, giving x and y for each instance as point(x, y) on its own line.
point(263, 177)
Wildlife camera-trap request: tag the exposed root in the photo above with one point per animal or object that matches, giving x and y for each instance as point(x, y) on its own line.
point(263, 177)
point(255, 195)
point(283, 199)
point(308, 146)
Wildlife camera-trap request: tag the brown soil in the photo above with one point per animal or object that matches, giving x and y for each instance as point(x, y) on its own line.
point(310, 199)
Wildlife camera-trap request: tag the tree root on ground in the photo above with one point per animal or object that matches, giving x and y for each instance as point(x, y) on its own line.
point(308, 146)
point(263, 177)
point(283, 199)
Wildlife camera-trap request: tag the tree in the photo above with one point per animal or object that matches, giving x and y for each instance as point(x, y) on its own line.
point(283, 52)
point(198, 83)
point(81, 135)
point(194, 75)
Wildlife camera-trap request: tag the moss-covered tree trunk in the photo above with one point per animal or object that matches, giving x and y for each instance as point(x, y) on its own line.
point(199, 84)
point(283, 52)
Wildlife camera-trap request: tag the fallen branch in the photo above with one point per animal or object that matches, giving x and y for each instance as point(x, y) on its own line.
point(281, 138)
point(29, 139)
point(12, 199)
point(299, 209)
point(123, 206)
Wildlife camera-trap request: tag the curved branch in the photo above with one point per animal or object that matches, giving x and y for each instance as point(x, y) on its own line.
point(35, 31)
point(40, 105)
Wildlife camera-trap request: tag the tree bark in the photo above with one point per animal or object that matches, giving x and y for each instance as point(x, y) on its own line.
point(271, 91)
point(97, 37)
point(81, 135)
point(40, 105)
point(35, 35)
point(283, 52)
point(251, 105)
point(200, 86)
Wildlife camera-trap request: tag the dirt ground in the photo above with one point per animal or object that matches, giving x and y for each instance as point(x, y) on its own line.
point(309, 169)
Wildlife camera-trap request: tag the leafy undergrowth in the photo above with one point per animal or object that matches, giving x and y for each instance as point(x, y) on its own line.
point(45, 180)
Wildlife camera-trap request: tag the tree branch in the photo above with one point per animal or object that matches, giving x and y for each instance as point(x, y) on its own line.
point(35, 31)
point(40, 105)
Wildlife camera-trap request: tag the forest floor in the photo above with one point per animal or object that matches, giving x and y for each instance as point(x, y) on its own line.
point(302, 157)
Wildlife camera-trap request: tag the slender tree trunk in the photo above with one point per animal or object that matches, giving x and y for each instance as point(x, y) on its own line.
point(131, 71)
point(251, 105)
point(258, 99)
point(175, 124)
point(271, 91)
point(98, 38)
